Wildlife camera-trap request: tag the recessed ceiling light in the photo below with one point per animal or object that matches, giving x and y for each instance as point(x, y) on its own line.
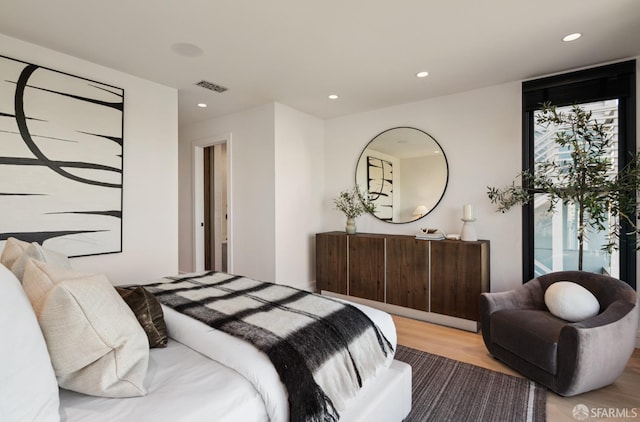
point(422, 74)
point(202, 105)
point(571, 37)
point(333, 97)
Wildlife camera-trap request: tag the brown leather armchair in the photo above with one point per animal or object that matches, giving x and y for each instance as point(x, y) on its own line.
point(568, 358)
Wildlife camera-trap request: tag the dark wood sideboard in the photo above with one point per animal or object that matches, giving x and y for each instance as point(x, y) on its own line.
point(434, 280)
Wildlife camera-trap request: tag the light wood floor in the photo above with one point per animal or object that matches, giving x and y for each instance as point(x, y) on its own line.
point(469, 347)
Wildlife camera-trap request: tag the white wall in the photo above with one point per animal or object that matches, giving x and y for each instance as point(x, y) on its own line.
point(299, 168)
point(150, 194)
point(480, 133)
point(276, 180)
point(251, 178)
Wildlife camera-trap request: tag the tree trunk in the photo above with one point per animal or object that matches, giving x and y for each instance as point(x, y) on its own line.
point(581, 228)
point(580, 236)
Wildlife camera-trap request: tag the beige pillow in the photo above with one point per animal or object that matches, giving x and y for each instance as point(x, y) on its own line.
point(96, 345)
point(13, 249)
point(38, 253)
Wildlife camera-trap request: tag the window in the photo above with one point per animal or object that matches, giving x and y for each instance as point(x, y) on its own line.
point(549, 241)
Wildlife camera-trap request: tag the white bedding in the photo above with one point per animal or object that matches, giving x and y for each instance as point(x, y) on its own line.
point(183, 385)
point(200, 385)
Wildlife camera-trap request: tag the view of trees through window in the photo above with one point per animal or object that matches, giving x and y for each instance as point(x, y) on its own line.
point(555, 234)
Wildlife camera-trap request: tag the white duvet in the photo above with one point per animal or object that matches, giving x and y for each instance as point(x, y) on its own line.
point(198, 386)
point(183, 386)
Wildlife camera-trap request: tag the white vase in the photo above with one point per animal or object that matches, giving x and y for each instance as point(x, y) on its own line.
point(351, 226)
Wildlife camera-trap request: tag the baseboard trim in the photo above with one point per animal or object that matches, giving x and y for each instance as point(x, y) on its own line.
point(449, 321)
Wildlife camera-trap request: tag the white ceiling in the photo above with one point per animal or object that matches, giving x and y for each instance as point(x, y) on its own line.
point(297, 52)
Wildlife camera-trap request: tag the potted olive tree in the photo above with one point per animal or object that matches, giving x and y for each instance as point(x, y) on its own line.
point(603, 196)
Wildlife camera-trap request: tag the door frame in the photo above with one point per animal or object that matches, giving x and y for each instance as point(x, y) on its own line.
point(197, 195)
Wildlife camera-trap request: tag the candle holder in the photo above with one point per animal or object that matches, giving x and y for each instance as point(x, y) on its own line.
point(469, 230)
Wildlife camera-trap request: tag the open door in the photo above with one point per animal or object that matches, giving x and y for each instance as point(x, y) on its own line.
point(212, 204)
point(215, 207)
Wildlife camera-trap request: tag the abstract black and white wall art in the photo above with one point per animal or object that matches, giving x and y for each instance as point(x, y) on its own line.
point(380, 186)
point(61, 159)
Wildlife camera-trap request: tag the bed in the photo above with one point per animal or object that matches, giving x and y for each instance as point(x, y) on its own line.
point(209, 390)
point(202, 374)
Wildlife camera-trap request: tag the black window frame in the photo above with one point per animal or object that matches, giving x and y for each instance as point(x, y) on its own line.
point(617, 80)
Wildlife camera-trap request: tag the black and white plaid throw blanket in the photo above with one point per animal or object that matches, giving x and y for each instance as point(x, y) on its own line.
point(321, 348)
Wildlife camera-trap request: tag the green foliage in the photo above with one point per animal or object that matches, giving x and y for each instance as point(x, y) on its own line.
point(353, 204)
point(585, 180)
point(511, 195)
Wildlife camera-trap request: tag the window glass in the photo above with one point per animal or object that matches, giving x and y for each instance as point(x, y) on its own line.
point(550, 241)
point(555, 233)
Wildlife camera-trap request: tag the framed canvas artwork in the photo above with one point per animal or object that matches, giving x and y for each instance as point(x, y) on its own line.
point(61, 159)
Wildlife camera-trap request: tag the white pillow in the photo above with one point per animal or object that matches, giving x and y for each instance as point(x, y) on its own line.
point(38, 253)
point(96, 344)
point(571, 301)
point(13, 249)
point(28, 387)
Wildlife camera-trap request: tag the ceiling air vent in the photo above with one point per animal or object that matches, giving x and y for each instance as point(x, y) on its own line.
point(211, 86)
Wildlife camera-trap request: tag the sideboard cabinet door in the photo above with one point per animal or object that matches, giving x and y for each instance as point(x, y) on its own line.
point(408, 272)
point(459, 273)
point(331, 262)
point(366, 266)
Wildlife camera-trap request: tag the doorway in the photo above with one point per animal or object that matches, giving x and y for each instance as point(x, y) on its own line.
point(212, 213)
point(215, 207)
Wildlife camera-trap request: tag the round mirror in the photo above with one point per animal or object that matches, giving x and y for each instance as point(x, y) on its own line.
point(405, 172)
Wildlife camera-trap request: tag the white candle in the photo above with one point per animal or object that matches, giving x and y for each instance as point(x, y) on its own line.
point(467, 212)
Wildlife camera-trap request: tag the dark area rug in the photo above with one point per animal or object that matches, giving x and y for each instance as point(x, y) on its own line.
point(448, 390)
